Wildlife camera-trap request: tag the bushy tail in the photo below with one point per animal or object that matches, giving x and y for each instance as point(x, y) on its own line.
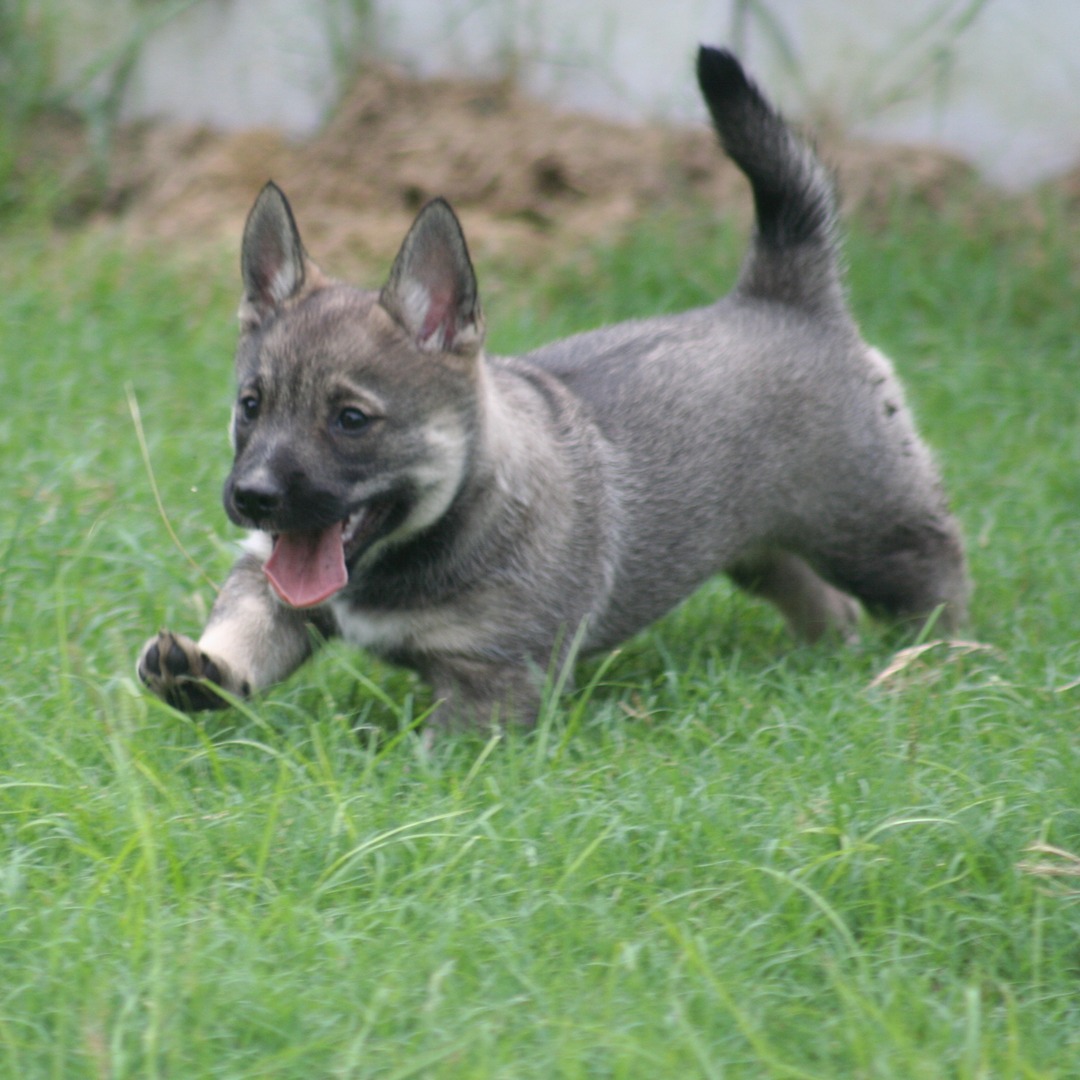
point(794, 255)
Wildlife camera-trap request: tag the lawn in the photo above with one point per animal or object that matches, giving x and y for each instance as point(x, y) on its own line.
point(724, 856)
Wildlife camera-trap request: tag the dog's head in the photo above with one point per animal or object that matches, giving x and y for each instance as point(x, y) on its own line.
point(356, 411)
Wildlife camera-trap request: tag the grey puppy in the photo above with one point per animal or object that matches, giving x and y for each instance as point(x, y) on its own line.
point(468, 515)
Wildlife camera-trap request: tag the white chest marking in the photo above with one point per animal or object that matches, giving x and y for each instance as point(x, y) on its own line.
point(383, 631)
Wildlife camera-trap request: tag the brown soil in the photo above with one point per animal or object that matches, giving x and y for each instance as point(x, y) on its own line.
point(525, 179)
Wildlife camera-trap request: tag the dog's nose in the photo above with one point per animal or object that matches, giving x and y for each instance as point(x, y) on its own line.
point(257, 502)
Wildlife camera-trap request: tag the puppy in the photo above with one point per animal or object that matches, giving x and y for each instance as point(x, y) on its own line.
point(469, 516)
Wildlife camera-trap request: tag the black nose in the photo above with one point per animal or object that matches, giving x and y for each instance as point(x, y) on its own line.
point(258, 502)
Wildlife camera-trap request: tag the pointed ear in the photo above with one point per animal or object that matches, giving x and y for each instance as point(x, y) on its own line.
point(272, 260)
point(431, 291)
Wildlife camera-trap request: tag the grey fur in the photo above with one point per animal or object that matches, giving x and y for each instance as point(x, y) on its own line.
point(504, 504)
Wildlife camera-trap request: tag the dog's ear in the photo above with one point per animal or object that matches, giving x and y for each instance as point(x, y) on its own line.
point(431, 291)
point(272, 260)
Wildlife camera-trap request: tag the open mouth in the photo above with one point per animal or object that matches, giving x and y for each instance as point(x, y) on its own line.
point(307, 567)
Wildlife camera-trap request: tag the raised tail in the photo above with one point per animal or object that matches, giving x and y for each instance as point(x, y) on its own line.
point(794, 255)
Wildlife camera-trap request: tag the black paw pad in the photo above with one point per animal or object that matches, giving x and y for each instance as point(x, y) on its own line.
point(189, 696)
point(175, 669)
point(151, 662)
point(176, 660)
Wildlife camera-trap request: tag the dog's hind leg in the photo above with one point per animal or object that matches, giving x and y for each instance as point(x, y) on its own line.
point(908, 572)
point(812, 607)
point(250, 642)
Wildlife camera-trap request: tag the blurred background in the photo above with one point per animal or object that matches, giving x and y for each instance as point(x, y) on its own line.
point(114, 105)
point(994, 80)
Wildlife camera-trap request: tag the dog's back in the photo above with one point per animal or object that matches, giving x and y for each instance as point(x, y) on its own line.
point(762, 429)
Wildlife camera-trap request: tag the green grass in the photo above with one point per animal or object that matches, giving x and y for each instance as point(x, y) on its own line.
point(729, 858)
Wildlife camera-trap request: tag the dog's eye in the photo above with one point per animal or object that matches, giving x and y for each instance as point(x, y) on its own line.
point(352, 420)
point(249, 407)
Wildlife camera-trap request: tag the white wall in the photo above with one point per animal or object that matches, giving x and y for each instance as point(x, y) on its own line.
point(1002, 89)
point(229, 63)
point(995, 80)
point(242, 63)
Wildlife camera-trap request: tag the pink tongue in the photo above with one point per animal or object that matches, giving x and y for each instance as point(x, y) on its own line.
point(307, 568)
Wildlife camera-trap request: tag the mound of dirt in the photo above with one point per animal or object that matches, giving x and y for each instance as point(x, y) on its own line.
point(524, 177)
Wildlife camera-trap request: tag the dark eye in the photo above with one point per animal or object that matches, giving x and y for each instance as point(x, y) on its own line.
point(352, 420)
point(248, 408)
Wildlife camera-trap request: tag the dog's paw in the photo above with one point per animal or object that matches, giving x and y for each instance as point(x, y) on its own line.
point(175, 669)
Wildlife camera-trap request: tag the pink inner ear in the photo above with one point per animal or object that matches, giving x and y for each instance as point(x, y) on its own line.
point(439, 316)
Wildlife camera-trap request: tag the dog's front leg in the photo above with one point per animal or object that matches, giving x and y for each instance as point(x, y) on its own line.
point(251, 641)
point(479, 693)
